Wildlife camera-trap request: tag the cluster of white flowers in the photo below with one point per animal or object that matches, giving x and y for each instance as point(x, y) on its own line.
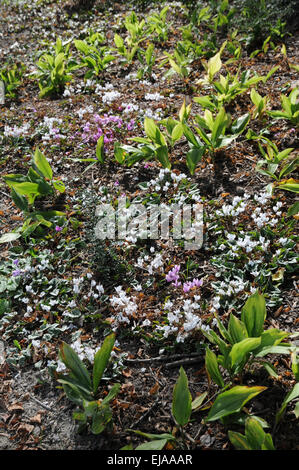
point(149, 264)
point(155, 115)
point(129, 107)
point(237, 206)
point(74, 89)
point(230, 287)
point(51, 124)
point(262, 198)
point(96, 290)
point(185, 319)
point(16, 131)
point(246, 242)
point(153, 96)
point(82, 111)
point(110, 96)
point(76, 284)
point(124, 305)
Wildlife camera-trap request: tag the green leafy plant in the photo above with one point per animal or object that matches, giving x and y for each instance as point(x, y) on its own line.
point(290, 107)
point(12, 78)
point(260, 104)
point(38, 182)
point(82, 388)
point(54, 70)
point(224, 15)
point(220, 131)
point(255, 437)
point(136, 29)
point(156, 144)
point(244, 341)
point(128, 53)
point(147, 59)
point(273, 159)
point(212, 67)
point(95, 58)
point(227, 87)
point(158, 25)
point(179, 62)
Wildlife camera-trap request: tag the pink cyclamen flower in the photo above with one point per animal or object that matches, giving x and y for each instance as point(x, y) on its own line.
point(173, 275)
point(58, 228)
point(190, 284)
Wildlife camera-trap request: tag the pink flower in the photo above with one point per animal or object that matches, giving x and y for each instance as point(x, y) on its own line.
point(58, 228)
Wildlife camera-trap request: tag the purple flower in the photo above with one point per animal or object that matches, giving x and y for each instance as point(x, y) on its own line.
point(173, 275)
point(190, 284)
point(16, 273)
point(16, 262)
point(130, 125)
point(58, 228)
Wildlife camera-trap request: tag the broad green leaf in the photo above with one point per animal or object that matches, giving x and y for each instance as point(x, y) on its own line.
point(268, 443)
point(213, 368)
point(59, 185)
point(100, 149)
point(254, 314)
point(152, 445)
point(72, 361)
point(205, 102)
point(193, 157)
point(239, 350)
point(42, 164)
point(254, 433)
point(219, 125)
point(20, 201)
point(282, 155)
point(100, 419)
point(232, 401)
point(181, 403)
point(270, 369)
point(190, 136)
point(238, 440)
point(118, 41)
point(295, 365)
point(82, 46)
point(271, 337)
point(119, 153)
point(162, 156)
point(198, 401)
point(236, 329)
point(26, 188)
point(177, 132)
point(101, 360)
point(289, 185)
point(294, 209)
point(153, 132)
point(239, 124)
point(255, 97)
point(214, 65)
point(279, 349)
point(287, 169)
